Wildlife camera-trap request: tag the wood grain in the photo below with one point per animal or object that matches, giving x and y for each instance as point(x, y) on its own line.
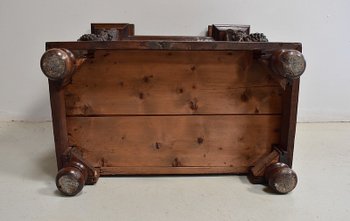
point(175, 45)
point(174, 141)
point(158, 82)
point(58, 120)
point(289, 120)
point(109, 171)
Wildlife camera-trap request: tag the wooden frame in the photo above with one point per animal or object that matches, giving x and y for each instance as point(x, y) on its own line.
point(75, 163)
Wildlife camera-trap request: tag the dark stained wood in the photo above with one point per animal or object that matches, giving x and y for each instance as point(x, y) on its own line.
point(158, 82)
point(174, 45)
point(71, 179)
point(177, 141)
point(58, 120)
point(289, 120)
point(169, 38)
point(73, 156)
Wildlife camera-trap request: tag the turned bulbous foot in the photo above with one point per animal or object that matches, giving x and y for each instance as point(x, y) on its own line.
point(281, 178)
point(289, 64)
point(57, 63)
point(71, 179)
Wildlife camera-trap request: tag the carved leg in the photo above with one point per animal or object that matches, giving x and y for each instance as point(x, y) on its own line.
point(75, 173)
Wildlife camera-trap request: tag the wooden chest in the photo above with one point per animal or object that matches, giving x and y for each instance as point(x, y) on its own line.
point(145, 105)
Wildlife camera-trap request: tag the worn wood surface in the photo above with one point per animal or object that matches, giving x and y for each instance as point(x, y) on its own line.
point(58, 112)
point(289, 120)
point(281, 178)
point(181, 170)
point(265, 161)
point(169, 38)
point(175, 45)
point(174, 141)
point(148, 105)
point(159, 82)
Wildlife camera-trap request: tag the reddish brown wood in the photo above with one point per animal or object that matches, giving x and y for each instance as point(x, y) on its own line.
point(231, 141)
point(58, 120)
point(174, 45)
point(174, 105)
point(75, 173)
point(260, 166)
point(169, 38)
point(180, 82)
point(289, 120)
point(181, 170)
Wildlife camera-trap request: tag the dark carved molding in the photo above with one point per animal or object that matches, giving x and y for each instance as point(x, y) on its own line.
point(243, 36)
point(101, 35)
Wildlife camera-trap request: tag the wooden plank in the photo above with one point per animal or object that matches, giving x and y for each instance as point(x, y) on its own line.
point(158, 82)
point(181, 46)
point(289, 120)
point(174, 141)
point(108, 171)
point(58, 113)
point(169, 38)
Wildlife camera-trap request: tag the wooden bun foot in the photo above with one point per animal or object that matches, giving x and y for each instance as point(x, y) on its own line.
point(288, 64)
point(57, 63)
point(281, 178)
point(71, 179)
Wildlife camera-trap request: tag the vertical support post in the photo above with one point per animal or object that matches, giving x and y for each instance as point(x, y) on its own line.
point(289, 119)
point(58, 120)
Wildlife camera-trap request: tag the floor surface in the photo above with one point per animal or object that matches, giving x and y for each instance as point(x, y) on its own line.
point(28, 192)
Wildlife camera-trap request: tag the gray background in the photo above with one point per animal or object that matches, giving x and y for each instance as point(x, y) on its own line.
point(322, 27)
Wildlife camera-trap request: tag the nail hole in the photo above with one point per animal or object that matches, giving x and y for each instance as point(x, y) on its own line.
point(141, 95)
point(200, 140)
point(179, 90)
point(147, 79)
point(176, 163)
point(194, 105)
point(246, 96)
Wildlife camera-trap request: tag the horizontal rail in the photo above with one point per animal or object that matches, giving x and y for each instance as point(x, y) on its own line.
point(174, 45)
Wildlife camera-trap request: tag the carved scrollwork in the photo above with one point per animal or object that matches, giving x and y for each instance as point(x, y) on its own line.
point(101, 35)
point(243, 36)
